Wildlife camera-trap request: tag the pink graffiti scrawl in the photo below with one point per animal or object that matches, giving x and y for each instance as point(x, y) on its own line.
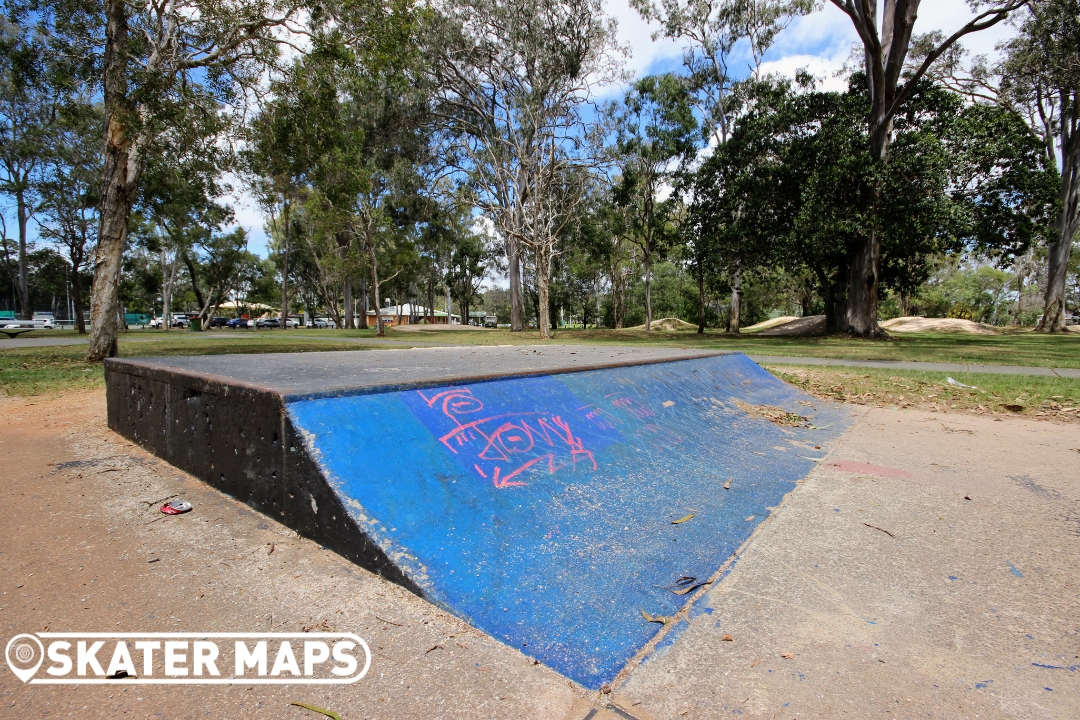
point(506, 445)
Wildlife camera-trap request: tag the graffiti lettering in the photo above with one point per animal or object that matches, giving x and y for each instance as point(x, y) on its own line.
point(505, 446)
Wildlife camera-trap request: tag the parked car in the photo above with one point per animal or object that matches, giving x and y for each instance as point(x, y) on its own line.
point(179, 320)
point(321, 322)
point(217, 322)
point(267, 323)
point(292, 322)
point(238, 323)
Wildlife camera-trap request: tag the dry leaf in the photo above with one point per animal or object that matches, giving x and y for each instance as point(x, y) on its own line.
point(662, 619)
point(683, 519)
point(726, 638)
point(727, 485)
point(755, 663)
point(787, 656)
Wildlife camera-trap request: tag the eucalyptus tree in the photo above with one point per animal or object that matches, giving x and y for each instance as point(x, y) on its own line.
point(1040, 78)
point(28, 106)
point(714, 28)
point(159, 61)
point(654, 132)
point(512, 77)
point(67, 188)
point(181, 191)
point(740, 203)
point(886, 49)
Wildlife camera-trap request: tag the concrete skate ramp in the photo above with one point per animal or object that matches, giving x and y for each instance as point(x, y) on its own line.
point(533, 492)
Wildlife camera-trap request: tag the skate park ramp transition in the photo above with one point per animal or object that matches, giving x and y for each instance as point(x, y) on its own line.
point(547, 495)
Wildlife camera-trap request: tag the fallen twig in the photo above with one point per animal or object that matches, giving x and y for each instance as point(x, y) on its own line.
point(879, 528)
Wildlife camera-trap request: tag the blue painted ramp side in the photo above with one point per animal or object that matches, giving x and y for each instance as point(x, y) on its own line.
point(541, 509)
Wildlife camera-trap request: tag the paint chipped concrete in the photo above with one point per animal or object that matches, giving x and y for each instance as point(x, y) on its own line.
point(895, 595)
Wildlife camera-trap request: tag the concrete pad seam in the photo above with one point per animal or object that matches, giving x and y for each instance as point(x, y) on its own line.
point(684, 613)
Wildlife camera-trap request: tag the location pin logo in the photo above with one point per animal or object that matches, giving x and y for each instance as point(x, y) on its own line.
point(24, 655)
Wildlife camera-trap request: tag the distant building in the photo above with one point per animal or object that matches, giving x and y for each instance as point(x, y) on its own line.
point(409, 314)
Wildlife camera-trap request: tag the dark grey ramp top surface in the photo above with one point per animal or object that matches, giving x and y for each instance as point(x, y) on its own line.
point(313, 374)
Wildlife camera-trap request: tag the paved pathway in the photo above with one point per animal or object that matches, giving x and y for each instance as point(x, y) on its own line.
point(911, 365)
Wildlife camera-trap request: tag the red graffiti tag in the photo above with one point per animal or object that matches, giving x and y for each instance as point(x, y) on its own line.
point(506, 445)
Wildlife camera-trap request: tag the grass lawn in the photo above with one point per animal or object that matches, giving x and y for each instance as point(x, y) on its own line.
point(1025, 348)
point(1027, 395)
point(32, 371)
point(39, 370)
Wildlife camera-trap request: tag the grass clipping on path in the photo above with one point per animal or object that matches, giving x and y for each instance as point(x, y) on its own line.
point(1025, 395)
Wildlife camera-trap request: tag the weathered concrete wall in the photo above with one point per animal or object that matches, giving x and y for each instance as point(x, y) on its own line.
point(239, 440)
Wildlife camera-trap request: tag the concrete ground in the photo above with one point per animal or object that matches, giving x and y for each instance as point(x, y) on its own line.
point(928, 567)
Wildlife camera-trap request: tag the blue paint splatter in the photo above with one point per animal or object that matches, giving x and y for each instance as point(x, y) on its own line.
point(1029, 637)
point(953, 577)
point(1048, 689)
point(836, 509)
point(981, 685)
point(1070, 668)
point(871, 622)
point(698, 610)
point(1015, 571)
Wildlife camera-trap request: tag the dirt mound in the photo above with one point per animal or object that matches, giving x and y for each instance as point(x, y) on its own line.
point(945, 325)
point(809, 325)
point(770, 323)
point(667, 325)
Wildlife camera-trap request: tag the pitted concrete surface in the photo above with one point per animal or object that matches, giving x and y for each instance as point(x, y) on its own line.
point(328, 373)
point(928, 568)
point(894, 595)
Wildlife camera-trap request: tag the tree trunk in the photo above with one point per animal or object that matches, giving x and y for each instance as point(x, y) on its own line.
point(349, 314)
point(517, 305)
point(1054, 310)
point(120, 176)
point(734, 316)
point(380, 331)
point(862, 298)
point(543, 319)
point(362, 324)
point(76, 299)
point(285, 268)
point(648, 291)
point(701, 301)
point(200, 300)
point(829, 288)
point(431, 296)
point(24, 270)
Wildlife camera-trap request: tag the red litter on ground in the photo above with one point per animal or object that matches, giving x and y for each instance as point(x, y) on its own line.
point(176, 507)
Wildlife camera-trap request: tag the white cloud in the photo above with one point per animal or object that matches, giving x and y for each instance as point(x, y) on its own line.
point(819, 41)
